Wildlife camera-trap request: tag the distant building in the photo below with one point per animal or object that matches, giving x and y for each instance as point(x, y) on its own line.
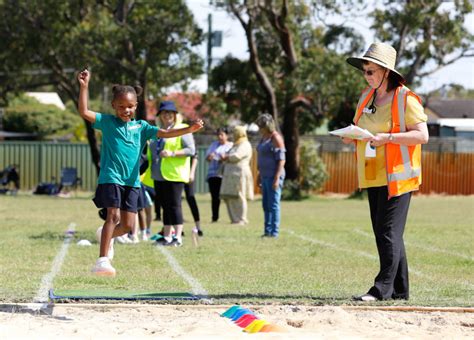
point(451, 117)
point(48, 98)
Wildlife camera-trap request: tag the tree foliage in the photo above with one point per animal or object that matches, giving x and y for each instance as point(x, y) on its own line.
point(26, 114)
point(428, 35)
point(313, 174)
point(45, 42)
point(298, 66)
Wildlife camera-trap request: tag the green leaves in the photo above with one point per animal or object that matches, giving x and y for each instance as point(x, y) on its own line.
point(427, 34)
point(28, 115)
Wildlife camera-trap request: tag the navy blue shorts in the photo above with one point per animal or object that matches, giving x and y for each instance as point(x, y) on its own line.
point(116, 196)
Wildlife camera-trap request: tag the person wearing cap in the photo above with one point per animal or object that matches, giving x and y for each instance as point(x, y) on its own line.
point(170, 170)
point(389, 163)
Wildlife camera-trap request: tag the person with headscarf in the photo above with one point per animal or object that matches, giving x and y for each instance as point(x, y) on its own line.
point(237, 181)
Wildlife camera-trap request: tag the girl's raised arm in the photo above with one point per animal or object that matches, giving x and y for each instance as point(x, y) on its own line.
point(84, 77)
point(197, 125)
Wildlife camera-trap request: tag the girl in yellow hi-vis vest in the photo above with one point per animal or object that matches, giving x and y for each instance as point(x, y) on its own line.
point(170, 170)
point(389, 164)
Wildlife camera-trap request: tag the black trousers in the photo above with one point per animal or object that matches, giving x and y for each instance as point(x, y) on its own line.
point(189, 192)
point(215, 188)
point(158, 199)
point(388, 223)
point(171, 202)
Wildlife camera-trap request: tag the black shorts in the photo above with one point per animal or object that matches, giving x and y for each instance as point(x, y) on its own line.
point(142, 199)
point(116, 196)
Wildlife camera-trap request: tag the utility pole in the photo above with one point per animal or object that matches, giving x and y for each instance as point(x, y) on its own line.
point(209, 48)
point(214, 39)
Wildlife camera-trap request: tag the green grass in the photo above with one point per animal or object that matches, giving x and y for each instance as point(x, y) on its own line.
point(325, 254)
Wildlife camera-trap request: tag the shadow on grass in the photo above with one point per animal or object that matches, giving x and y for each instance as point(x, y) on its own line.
point(61, 236)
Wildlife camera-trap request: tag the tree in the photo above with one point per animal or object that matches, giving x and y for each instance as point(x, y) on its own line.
point(26, 114)
point(286, 52)
point(426, 35)
point(44, 42)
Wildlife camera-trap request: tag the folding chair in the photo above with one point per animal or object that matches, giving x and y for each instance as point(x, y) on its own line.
point(69, 179)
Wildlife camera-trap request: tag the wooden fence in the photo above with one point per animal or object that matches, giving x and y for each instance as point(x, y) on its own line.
point(443, 172)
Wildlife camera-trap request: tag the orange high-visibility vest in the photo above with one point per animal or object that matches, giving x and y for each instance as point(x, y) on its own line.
point(403, 163)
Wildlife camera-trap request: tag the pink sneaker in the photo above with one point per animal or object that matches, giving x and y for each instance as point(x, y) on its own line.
point(103, 267)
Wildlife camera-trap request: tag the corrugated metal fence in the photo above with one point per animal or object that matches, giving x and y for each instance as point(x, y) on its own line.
point(443, 172)
point(42, 162)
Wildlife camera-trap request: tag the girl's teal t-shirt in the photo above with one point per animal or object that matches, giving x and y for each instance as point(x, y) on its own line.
point(122, 144)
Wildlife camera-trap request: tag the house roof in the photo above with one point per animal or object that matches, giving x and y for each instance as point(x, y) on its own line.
point(186, 103)
point(452, 108)
point(47, 98)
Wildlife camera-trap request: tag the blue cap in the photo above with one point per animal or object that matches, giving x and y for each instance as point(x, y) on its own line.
point(167, 105)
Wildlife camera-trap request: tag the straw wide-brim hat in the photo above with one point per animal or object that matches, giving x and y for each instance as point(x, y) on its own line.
point(378, 53)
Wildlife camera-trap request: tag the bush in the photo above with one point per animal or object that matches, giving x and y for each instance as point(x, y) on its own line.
point(26, 114)
point(313, 174)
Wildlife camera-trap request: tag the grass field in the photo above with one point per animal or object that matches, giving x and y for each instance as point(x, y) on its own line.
point(325, 254)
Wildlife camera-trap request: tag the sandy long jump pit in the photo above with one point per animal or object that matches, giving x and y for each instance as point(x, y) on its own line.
point(108, 321)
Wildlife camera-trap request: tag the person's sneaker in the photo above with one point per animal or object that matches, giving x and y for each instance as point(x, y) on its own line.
point(111, 252)
point(156, 237)
point(103, 267)
point(200, 233)
point(365, 298)
point(134, 239)
point(143, 235)
point(124, 239)
point(174, 243)
point(162, 242)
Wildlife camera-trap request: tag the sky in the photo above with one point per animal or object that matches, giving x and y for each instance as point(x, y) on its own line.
point(234, 43)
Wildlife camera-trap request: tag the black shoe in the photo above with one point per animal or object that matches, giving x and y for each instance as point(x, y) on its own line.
point(161, 242)
point(157, 218)
point(266, 235)
point(200, 233)
point(182, 233)
point(174, 243)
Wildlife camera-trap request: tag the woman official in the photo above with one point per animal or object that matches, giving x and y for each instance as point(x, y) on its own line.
point(389, 164)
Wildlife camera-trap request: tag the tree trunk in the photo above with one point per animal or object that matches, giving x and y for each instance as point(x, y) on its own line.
point(91, 138)
point(95, 153)
point(291, 136)
point(141, 108)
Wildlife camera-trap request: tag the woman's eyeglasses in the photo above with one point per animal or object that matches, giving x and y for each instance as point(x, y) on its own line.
point(369, 72)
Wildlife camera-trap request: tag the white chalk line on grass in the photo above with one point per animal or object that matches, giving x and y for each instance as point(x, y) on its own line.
point(350, 251)
point(196, 287)
point(42, 296)
point(431, 249)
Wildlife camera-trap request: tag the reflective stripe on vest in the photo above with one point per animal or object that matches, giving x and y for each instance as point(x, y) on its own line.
point(411, 173)
point(408, 172)
point(363, 100)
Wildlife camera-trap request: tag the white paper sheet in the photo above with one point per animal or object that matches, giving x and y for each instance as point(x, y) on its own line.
point(353, 132)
